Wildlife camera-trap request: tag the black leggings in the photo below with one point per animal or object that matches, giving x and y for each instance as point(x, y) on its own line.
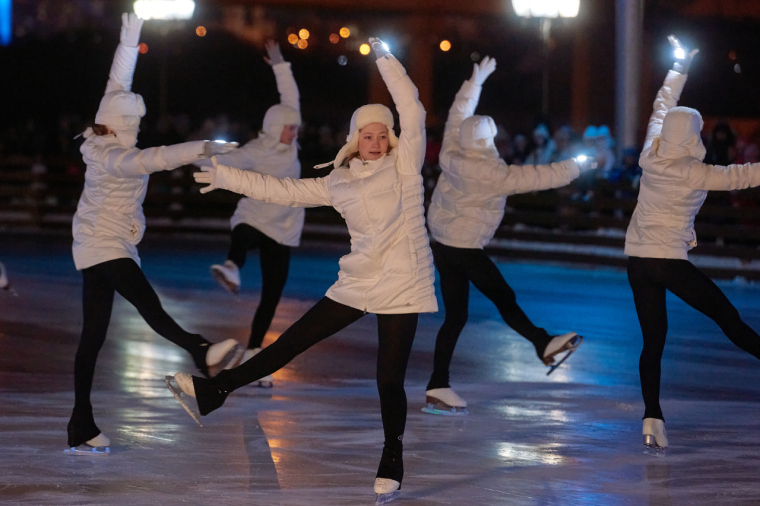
point(649, 278)
point(395, 336)
point(275, 261)
point(457, 267)
point(100, 282)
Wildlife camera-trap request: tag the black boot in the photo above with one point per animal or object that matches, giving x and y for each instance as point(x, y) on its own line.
point(81, 427)
point(391, 464)
point(209, 395)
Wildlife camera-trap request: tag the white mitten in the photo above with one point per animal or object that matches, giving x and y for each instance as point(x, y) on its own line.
point(130, 29)
point(274, 55)
point(682, 54)
point(585, 163)
point(213, 148)
point(379, 47)
point(481, 71)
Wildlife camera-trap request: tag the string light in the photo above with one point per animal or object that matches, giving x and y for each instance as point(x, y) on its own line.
point(303, 33)
point(302, 44)
point(334, 38)
point(200, 31)
point(364, 49)
point(143, 47)
point(445, 45)
point(293, 38)
point(345, 32)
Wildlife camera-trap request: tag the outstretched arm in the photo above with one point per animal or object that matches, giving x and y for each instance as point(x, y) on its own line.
point(133, 162)
point(465, 103)
point(125, 59)
point(670, 92)
point(411, 142)
point(285, 191)
point(286, 84)
point(703, 176)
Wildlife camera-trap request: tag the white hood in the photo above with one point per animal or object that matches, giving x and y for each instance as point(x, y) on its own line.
point(275, 119)
point(363, 116)
point(680, 135)
point(121, 111)
point(476, 133)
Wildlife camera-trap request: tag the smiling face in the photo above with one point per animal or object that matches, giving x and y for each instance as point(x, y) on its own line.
point(289, 133)
point(373, 141)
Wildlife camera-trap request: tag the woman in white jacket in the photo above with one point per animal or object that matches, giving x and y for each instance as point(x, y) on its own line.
point(674, 185)
point(272, 228)
point(108, 225)
point(377, 187)
point(466, 209)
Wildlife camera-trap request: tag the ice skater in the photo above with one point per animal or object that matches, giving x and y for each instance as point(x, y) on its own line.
point(377, 187)
point(108, 225)
point(674, 185)
point(466, 209)
point(271, 228)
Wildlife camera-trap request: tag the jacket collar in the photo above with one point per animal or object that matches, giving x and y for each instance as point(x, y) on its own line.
point(361, 168)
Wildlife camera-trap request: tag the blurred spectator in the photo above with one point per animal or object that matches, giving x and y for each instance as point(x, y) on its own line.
point(543, 148)
point(628, 172)
point(565, 146)
point(519, 150)
point(721, 147)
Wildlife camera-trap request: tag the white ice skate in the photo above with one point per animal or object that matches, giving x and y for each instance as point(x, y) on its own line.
point(227, 275)
point(224, 355)
point(566, 342)
point(98, 446)
point(386, 490)
point(266, 381)
point(185, 386)
point(444, 401)
point(655, 437)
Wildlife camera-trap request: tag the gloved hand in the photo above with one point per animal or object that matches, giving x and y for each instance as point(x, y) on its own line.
point(130, 29)
point(481, 71)
point(213, 148)
point(683, 56)
point(585, 163)
point(274, 55)
point(379, 47)
point(208, 176)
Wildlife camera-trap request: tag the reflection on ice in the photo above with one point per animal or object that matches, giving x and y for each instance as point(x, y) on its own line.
point(535, 411)
point(531, 454)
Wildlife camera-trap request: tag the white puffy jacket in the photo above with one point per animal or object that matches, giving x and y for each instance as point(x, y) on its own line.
point(390, 267)
point(673, 189)
point(281, 223)
point(469, 199)
point(109, 220)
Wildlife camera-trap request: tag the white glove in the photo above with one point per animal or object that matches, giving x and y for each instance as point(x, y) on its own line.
point(682, 54)
point(274, 55)
point(130, 29)
point(481, 71)
point(379, 47)
point(585, 163)
point(213, 148)
point(208, 176)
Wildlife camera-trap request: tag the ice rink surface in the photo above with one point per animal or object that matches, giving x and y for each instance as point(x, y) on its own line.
point(315, 439)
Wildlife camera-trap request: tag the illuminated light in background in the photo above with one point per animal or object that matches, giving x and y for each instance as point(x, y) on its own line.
point(475, 56)
point(334, 38)
point(302, 44)
point(303, 33)
point(345, 32)
point(164, 9)
point(293, 38)
point(737, 69)
point(200, 31)
point(5, 22)
point(445, 45)
point(581, 158)
point(364, 49)
point(546, 8)
point(143, 47)
point(680, 53)
point(342, 60)
point(732, 55)
point(220, 141)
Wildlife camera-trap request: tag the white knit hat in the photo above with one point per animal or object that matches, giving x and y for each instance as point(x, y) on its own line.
point(116, 104)
point(363, 116)
point(277, 117)
point(477, 133)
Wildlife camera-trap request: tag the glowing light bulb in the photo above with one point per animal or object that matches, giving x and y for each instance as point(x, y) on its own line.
point(680, 53)
point(581, 158)
point(364, 49)
point(200, 31)
point(143, 47)
point(293, 38)
point(445, 45)
point(334, 38)
point(303, 33)
point(302, 44)
point(345, 32)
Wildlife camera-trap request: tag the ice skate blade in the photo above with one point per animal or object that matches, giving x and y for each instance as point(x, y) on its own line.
point(652, 448)
point(222, 281)
point(571, 346)
point(177, 393)
point(445, 410)
point(386, 498)
point(88, 451)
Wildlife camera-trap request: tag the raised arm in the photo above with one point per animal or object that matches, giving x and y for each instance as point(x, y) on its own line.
point(286, 84)
point(465, 103)
point(133, 162)
point(670, 92)
point(411, 113)
point(285, 191)
point(125, 59)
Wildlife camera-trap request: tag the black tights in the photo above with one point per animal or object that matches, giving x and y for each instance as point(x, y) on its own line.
point(275, 261)
point(457, 267)
point(649, 278)
point(395, 336)
point(100, 282)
